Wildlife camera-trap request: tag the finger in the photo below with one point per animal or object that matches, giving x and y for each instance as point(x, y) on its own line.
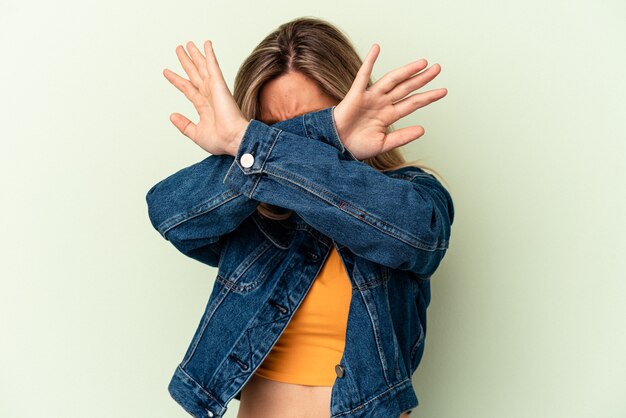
point(365, 72)
point(188, 66)
point(417, 100)
point(180, 83)
point(390, 80)
point(213, 65)
point(402, 137)
point(198, 59)
point(413, 83)
point(184, 125)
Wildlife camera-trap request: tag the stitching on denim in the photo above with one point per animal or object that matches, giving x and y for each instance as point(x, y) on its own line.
point(420, 244)
point(306, 132)
point(193, 381)
point(235, 287)
point(276, 133)
point(198, 210)
point(320, 192)
point(375, 327)
point(205, 321)
point(369, 285)
point(393, 232)
point(363, 214)
point(383, 278)
point(334, 125)
point(393, 334)
point(250, 259)
point(261, 277)
point(276, 241)
point(398, 386)
point(418, 342)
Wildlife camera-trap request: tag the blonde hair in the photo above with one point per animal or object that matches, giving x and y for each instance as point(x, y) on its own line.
point(320, 51)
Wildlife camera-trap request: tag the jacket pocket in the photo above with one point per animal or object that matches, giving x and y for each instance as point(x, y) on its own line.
point(247, 263)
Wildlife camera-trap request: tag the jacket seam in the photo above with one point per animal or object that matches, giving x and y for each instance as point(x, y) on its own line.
point(417, 343)
point(206, 319)
point(417, 243)
point(395, 387)
point(198, 210)
point(268, 235)
point(306, 132)
point(376, 332)
point(334, 126)
point(261, 169)
point(191, 379)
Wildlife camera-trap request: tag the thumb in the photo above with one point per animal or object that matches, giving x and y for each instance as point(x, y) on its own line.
point(402, 137)
point(184, 125)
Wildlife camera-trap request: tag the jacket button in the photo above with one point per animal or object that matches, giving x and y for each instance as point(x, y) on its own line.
point(339, 370)
point(247, 160)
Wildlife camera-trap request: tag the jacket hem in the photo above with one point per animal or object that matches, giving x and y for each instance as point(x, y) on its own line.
point(193, 397)
point(391, 403)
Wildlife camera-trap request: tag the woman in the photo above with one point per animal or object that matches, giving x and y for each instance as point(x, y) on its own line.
point(303, 72)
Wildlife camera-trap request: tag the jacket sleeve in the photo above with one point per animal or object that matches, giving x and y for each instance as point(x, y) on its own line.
point(195, 210)
point(400, 222)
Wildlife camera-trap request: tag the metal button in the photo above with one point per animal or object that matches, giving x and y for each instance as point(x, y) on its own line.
point(247, 160)
point(339, 370)
point(210, 413)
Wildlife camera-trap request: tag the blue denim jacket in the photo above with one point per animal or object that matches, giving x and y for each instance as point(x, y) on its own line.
point(390, 229)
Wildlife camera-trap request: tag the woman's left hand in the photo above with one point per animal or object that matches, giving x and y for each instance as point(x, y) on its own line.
point(363, 116)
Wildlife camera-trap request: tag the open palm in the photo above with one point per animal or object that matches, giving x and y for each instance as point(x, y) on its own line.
point(364, 115)
point(222, 123)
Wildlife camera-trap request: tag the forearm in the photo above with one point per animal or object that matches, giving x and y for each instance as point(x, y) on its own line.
point(193, 207)
point(323, 130)
point(392, 221)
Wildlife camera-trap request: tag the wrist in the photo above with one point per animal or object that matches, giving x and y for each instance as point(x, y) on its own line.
point(340, 130)
point(233, 145)
point(337, 119)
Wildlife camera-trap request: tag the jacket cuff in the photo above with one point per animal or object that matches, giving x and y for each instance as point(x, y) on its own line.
point(259, 138)
point(254, 148)
point(319, 125)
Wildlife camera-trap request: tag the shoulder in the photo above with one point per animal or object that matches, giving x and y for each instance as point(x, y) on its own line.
point(411, 173)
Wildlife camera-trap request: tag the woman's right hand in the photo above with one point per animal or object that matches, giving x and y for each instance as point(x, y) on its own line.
point(222, 124)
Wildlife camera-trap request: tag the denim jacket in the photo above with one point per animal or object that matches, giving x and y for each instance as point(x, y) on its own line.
point(391, 230)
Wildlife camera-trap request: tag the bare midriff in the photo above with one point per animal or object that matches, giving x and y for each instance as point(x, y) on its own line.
point(296, 378)
point(264, 398)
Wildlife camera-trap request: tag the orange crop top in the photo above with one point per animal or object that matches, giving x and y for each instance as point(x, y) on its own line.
point(313, 342)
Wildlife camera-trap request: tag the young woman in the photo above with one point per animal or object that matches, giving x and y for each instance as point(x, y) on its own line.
point(376, 228)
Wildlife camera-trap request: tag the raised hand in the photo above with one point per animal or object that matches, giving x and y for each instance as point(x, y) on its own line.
point(222, 124)
point(363, 116)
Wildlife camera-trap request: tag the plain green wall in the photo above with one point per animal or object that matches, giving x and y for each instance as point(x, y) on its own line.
point(527, 316)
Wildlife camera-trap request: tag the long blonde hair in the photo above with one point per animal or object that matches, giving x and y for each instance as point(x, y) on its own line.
point(320, 51)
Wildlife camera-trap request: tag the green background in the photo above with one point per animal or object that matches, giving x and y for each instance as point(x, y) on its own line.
point(527, 317)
